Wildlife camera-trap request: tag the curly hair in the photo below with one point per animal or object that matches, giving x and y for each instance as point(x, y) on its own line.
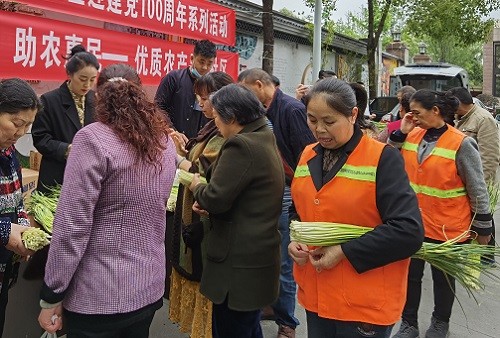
point(123, 106)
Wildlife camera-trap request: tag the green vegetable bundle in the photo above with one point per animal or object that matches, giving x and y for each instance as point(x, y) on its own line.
point(43, 207)
point(185, 177)
point(462, 262)
point(380, 125)
point(34, 239)
point(493, 193)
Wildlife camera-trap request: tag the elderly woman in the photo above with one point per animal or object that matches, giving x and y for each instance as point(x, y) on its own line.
point(18, 107)
point(445, 171)
point(243, 201)
point(356, 289)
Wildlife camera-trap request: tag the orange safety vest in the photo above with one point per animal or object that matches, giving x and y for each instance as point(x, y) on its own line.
point(376, 296)
point(442, 198)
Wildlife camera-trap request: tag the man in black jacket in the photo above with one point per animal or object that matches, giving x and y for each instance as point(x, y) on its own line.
point(175, 94)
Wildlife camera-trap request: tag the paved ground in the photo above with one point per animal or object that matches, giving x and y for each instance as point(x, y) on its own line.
point(469, 320)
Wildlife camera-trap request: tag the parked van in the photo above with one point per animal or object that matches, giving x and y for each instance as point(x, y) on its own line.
point(435, 76)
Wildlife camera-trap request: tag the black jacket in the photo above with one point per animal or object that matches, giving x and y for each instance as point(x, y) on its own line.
point(175, 96)
point(54, 129)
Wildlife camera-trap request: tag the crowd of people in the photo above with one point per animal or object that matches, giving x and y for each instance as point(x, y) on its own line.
point(256, 159)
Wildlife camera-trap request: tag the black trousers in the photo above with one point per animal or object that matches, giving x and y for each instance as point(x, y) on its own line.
point(133, 324)
point(444, 293)
point(227, 323)
point(139, 329)
point(4, 294)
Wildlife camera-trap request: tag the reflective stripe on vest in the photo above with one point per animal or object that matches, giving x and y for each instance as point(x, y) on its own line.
point(441, 152)
point(302, 171)
point(439, 193)
point(359, 173)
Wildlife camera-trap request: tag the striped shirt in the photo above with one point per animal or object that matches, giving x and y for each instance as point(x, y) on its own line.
point(11, 201)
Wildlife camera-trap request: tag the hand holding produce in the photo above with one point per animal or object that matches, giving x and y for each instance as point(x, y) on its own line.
point(15, 243)
point(186, 178)
point(299, 252)
point(326, 257)
point(34, 239)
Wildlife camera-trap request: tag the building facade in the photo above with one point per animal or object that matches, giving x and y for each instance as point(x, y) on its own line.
point(292, 47)
point(491, 63)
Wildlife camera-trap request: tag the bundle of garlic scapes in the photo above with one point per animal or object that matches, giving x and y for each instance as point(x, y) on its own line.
point(459, 261)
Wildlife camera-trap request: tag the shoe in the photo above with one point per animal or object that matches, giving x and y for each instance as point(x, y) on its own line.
point(488, 261)
point(267, 313)
point(438, 329)
point(285, 332)
point(406, 331)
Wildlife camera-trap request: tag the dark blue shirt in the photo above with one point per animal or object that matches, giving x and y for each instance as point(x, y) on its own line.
point(175, 95)
point(288, 116)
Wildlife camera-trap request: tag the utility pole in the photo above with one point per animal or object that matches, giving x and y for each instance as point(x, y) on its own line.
point(317, 40)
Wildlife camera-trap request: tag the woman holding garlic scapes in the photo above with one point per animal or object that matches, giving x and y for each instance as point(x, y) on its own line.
point(187, 305)
point(18, 106)
point(444, 167)
point(358, 288)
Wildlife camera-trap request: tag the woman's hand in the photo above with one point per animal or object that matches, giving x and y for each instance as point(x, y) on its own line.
point(407, 123)
point(66, 153)
point(196, 180)
point(15, 243)
point(483, 240)
point(299, 252)
point(51, 319)
point(197, 208)
point(180, 141)
point(326, 257)
point(301, 91)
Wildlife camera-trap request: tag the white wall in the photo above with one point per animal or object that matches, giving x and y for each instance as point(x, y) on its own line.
point(290, 60)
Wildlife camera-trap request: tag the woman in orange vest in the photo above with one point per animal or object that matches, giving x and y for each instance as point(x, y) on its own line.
point(356, 289)
point(444, 168)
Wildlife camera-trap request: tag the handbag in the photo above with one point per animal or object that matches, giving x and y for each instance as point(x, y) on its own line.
point(192, 234)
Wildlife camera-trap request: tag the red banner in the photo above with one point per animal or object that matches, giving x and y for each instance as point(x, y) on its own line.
point(186, 18)
point(33, 48)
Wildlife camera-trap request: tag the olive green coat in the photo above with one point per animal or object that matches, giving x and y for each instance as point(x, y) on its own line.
point(243, 197)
